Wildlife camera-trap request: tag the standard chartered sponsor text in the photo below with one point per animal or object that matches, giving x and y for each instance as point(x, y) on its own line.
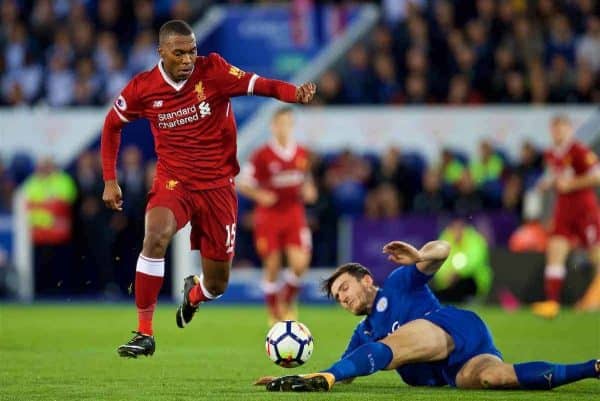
point(185, 115)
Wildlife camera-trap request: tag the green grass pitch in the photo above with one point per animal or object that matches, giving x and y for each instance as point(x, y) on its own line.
point(67, 352)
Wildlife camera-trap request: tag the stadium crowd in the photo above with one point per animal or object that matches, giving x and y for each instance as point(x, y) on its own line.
point(78, 53)
point(471, 52)
point(384, 186)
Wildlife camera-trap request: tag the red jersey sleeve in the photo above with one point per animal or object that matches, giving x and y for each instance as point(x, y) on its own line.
point(128, 105)
point(583, 159)
point(232, 80)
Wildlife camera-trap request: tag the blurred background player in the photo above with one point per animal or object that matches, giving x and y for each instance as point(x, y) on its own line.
point(573, 171)
point(186, 98)
point(277, 179)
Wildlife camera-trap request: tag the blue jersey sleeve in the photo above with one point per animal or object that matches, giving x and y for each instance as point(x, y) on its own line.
point(406, 278)
point(356, 340)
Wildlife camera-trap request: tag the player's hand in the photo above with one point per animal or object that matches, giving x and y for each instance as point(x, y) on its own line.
point(265, 198)
point(112, 196)
point(264, 380)
point(306, 92)
point(563, 185)
point(402, 253)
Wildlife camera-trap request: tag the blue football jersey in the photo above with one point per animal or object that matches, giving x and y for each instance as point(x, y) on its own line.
point(404, 296)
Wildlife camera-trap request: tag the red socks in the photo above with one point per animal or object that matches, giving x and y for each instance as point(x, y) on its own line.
point(148, 282)
point(554, 276)
point(291, 287)
point(271, 291)
point(199, 293)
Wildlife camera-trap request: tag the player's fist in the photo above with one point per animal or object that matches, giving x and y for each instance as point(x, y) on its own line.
point(306, 92)
point(265, 198)
point(402, 253)
point(112, 196)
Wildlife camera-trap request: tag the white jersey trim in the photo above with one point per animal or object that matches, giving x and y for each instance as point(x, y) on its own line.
point(252, 83)
point(121, 116)
point(175, 85)
point(286, 153)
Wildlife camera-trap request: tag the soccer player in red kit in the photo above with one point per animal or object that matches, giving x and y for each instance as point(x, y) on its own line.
point(277, 178)
point(573, 171)
point(186, 99)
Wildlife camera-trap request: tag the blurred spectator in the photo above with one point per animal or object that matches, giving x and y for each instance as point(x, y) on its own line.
point(383, 202)
point(488, 166)
point(346, 178)
point(586, 90)
point(468, 199)
point(560, 79)
point(356, 76)
point(530, 165)
point(330, 89)
point(386, 87)
point(430, 199)
point(143, 53)
point(466, 273)
point(60, 83)
point(588, 47)
point(50, 194)
point(450, 167)
point(392, 171)
point(461, 92)
point(515, 88)
point(7, 187)
point(416, 90)
point(92, 236)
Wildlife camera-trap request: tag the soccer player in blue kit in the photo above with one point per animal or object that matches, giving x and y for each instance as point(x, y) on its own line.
point(406, 329)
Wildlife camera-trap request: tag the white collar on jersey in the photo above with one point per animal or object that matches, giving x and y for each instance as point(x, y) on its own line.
point(175, 85)
point(287, 152)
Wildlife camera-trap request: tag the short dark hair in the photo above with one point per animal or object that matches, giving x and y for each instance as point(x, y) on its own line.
point(356, 270)
point(174, 27)
point(282, 110)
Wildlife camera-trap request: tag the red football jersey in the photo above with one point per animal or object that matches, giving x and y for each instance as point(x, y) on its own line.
point(574, 159)
point(281, 170)
point(192, 121)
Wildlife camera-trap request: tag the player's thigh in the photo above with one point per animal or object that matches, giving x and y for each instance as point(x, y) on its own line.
point(486, 371)
point(214, 223)
point(418, 341)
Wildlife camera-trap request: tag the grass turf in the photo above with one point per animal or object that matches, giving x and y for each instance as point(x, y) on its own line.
point(67, 352)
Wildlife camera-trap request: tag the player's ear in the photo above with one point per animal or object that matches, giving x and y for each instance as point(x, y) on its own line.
point(367, 279)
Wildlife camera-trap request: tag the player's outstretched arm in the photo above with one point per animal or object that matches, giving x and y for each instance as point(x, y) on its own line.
point(285, 91)
point(428, 259)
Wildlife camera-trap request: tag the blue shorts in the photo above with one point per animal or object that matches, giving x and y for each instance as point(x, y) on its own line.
point(471, 338)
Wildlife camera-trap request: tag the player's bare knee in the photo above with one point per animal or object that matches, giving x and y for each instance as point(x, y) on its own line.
point(496, 377)
point(156, 242)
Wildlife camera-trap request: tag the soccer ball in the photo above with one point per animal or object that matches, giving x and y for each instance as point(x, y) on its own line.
point(289, 343)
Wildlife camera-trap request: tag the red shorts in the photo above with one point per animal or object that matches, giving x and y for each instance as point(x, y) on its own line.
point(277, 229)
point(580, 225)
point(211, 212)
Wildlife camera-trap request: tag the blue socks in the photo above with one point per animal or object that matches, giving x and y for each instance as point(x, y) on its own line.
point(365, 360)
point(544, 375)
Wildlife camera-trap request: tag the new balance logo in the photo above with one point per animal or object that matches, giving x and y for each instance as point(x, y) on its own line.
point(548, 376)
point(204, 109)
point(157, 104)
